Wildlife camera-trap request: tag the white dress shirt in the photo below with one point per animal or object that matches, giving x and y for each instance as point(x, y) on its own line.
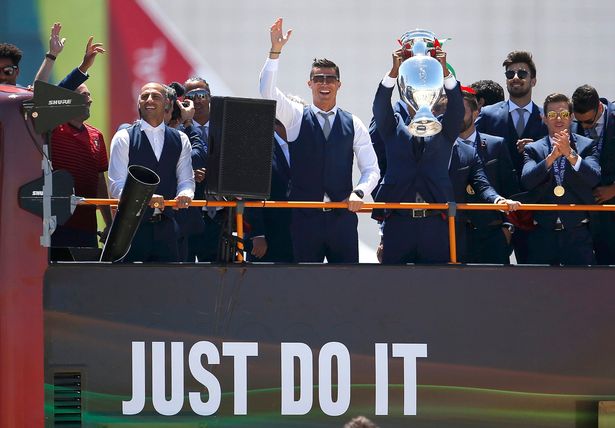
point(203, 129)
point(290, 114)
point(118, 159)
point(284, 146)
point(471, 139)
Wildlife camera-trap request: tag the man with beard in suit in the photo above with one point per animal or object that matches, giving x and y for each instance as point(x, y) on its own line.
point(517, 120)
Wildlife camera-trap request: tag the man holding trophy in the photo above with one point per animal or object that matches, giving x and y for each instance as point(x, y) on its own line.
point(418, 154)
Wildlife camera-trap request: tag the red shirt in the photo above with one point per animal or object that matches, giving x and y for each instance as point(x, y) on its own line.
point(83, 153)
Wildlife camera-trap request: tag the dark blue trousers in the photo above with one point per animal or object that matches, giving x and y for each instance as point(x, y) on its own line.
point(571, 246)
point(155, 242)
point(415, 240)
point(205, 246)
point(482, 245)
point(317, 234)
point(603, 234)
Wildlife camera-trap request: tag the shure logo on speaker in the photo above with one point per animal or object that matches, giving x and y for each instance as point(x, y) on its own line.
point(59, 102)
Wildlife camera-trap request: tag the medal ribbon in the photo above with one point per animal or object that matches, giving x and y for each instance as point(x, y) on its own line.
point(559, 169)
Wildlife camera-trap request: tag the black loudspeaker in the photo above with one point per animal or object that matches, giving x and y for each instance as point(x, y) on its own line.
point(240, 147)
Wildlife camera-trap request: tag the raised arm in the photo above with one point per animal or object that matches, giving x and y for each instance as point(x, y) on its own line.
point(80, 74)
point(287, 112)
point(384, 117)
point(452, 120)
point(56, 44)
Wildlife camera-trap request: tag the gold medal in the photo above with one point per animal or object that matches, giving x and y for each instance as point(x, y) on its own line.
point(559, 191)
point(469, 189)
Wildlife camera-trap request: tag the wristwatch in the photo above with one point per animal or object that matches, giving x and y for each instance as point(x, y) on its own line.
point(359, 193)
point(573, 154)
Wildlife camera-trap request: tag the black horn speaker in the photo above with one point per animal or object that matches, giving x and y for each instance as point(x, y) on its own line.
point(240, 147)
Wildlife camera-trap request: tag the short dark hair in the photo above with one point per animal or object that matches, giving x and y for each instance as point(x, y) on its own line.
point(8, 50)
point(471, 99)
point(556, 98)
point(520, 56)
point(179, 88)
point(199, 79)
point(360, 422)
point(585, 98)
point(491, 92)
point(324, 63)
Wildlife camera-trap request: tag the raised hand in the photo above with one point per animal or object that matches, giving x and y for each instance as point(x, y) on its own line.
point(441, 57)
point(56, 44)
point(187, 110)
point(278, 37)
point(91, 50)
point(397, 60)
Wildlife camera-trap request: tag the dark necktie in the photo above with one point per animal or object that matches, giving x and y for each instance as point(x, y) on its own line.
point(419, 146)
point(592, 133)
point(326, 126)
point(521, 121)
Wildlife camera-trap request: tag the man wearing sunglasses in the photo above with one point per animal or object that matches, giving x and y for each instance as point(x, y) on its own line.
point(561, 168)
point(10, 55)
point(205, 223)
point(518, 120)
point(595, 118)
point(323, 141)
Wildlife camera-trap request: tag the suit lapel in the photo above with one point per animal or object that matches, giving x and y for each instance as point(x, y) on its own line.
point(534, 122)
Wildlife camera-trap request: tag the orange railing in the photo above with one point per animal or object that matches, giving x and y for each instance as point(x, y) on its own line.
point(450, 208)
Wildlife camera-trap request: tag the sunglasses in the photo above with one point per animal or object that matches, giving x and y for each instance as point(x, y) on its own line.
point(590, 121)
point(9, 70)
point(197, 94)
point(521, 74)
point(552, 115)
point(324, 78)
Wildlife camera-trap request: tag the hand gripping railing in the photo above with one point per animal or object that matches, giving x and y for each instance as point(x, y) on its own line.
point(450, 208)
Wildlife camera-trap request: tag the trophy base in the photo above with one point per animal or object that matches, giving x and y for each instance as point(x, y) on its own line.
point(425, 128)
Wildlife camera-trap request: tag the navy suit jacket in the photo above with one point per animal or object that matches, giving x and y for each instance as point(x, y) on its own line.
point(274, 223)
point(496, 120)
point(191, 219)
point(378, 141)
point(406, 173)
point(607, 154)
point(500, 173)
point(578, 184)
point(266, 221)
point(466, 168)
point(73, 79)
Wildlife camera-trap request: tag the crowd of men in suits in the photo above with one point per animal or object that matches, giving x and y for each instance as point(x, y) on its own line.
point(490, 150)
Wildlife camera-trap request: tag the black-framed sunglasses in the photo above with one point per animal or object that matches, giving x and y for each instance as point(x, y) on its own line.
point(9, 70)
point(324, 78)
point(197, 94)
point(521, 74)
point(590, 121)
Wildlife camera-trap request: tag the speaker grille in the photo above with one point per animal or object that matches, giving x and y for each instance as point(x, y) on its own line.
point(241, 145)
point(67, 399)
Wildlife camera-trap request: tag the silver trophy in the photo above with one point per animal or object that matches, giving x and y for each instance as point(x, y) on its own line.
point(420, 81)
